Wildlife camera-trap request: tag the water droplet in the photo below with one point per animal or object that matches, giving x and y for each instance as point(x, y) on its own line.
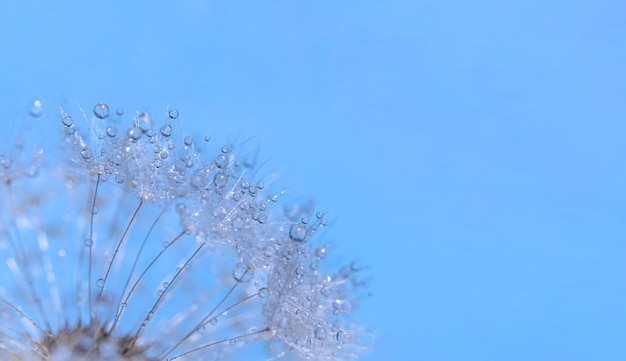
point(67, 121)
point(320, 252)
point(263, 219)
point(297, 233)
point(207, 138)
point(101, 110)
point(134, 134)
point(305, 220)
point(300, 270)
point(85, 153)
point(241, 273)
point(319, 215)
point(160, 293)
point(164, 154)
point(264, 292)
point(319, 333)
point(188, 140)
point(341, 336)
point(220, 179)
point(220, 161)
point(172, 113)
point(94, 210)
point(166, 284)
point(111, 131)
point(213, 321)
point(144, 121)
point(100, 282)
point(119, 111)
point(166, 130)
point(36, 109)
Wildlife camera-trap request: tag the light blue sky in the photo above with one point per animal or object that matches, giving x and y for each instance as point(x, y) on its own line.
point(471, 152)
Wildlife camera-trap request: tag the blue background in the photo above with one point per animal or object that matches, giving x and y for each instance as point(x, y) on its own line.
point(472, 153)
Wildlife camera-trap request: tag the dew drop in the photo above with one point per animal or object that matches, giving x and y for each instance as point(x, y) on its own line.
point(213, 321)
point(320, 252)
point(36, 109)
point(341, 336)
point(101, 110)
point(241, 273)
point(85, 153)
point(319, 333)
point(166, 130)
point(100, 283)
point(297, 232)
point(188, 140)
point(220, 180)
point(300, 270)
point(88, 242)
point(264, 292)
point(134, 133)
point(111, 131)
point(67, 121)
point(144, 121)
point(220, 161)
point(172, 113)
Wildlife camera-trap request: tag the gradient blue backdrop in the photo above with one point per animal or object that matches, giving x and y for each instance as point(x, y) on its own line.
point(471, 152)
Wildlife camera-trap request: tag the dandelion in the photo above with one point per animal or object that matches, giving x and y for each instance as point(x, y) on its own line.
point(128, 242)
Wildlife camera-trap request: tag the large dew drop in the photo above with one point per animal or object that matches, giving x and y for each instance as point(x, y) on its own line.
point(297, 232)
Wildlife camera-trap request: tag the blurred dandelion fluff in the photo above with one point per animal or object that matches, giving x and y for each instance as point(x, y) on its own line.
point(129, 242)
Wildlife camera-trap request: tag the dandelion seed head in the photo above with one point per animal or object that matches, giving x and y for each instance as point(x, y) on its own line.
point(134, 243)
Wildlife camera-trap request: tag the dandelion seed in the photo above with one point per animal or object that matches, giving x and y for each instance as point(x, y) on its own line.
point(134, 245)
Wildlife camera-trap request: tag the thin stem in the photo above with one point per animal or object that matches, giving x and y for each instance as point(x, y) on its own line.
point(132, 271)
point(93, 205)
point(23, 262)
point(119, 244)
point(120, 309)
point(208, 317)
point(158, 301)
point(219, 342)
point(23, 315)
